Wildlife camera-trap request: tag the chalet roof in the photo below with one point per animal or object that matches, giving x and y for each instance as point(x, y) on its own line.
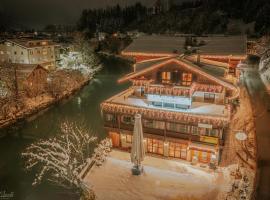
point(157, 44)
point(228, 45)
point(31, 43)
point(24, 70)
point(145, 64)
point(183, 63)
point(214, 45)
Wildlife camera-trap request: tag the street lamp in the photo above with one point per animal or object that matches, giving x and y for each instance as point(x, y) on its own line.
point(240, 136)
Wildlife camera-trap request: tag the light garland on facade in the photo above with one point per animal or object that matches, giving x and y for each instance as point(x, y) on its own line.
point(177, 91)
point(130, 53)
point(165, 114)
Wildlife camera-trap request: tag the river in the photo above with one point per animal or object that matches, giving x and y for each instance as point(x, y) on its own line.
point(83, 107)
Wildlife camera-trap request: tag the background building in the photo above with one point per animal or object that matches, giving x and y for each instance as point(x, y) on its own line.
point(29, 51)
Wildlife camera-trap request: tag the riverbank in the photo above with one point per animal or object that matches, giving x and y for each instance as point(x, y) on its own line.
point(39, 103)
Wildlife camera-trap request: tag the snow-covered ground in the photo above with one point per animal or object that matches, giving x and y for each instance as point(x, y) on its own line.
point(162, 179)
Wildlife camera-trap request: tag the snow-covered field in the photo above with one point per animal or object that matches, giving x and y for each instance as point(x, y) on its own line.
point(162, 179)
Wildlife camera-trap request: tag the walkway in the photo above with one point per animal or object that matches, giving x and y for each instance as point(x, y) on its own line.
point(260, 102)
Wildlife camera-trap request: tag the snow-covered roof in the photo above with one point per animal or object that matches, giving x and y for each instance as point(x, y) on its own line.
point(157, 44)
point(213, 45)
point(149, 66)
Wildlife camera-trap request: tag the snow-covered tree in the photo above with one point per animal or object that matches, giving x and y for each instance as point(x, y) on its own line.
point(64, 159)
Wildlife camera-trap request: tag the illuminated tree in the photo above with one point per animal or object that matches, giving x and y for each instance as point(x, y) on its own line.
point(63, 160)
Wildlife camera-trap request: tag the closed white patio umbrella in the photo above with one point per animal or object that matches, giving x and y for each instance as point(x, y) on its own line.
point(137, 149)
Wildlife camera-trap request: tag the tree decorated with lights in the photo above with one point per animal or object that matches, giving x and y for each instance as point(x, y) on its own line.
point(64, 159)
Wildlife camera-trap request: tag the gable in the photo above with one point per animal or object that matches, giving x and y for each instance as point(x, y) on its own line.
point(178, 63)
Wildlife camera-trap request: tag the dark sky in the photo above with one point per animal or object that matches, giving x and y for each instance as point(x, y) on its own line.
point(37, 13)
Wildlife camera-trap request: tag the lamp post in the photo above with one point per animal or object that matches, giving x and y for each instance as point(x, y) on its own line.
point(241, 137)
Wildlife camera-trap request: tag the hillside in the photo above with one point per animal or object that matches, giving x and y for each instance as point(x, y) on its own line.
point(199, 17)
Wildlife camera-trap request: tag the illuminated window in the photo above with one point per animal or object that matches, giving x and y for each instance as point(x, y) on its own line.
point(204, 156)
point(209, 97)
point(1, 52)
point(166, 77)
point(155, 146)
point(186, 79)
point(44, 51)
point(128, 139)
point(109, 117)
point(177, 150)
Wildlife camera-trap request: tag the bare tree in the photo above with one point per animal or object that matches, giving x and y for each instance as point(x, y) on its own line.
point(62, 160)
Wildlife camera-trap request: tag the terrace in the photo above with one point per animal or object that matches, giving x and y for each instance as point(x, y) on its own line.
point(201, 112)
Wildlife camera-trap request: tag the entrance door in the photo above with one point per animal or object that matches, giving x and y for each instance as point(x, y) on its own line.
point(115, 137)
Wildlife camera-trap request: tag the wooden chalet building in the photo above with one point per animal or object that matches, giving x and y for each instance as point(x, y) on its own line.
point(185, 109)
point(31, 78)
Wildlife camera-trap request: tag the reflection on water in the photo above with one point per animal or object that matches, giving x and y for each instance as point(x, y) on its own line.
point(82, 108)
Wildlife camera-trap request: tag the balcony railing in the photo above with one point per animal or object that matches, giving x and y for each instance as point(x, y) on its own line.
point(165, 115)
point(162, 132)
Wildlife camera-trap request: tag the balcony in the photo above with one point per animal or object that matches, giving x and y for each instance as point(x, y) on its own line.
point(201, 112)
point(160, 132)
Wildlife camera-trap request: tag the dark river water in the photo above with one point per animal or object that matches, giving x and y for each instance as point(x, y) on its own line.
point(83, 107)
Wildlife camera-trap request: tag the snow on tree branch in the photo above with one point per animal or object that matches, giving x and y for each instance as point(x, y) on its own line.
point(62, 159)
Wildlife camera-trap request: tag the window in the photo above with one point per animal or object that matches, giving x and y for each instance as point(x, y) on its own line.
point(195, 130)
point(166, 77)
point(177, 150)
point(209, 97)
point(109, 117)
point(158, 104)
point(128, 139)
point(22, 53)
point(44, 51)
point(155, 146)
point(15, 52)
point(186, 79)
point(204, 156)
point(154, 124)
point(212, 132)
point(168, 105)
point(1, 52)
point(126, 119)
point(179, 106)
point(181, 128)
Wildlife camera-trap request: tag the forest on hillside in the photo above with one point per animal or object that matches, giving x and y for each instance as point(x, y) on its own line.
point(250, 17)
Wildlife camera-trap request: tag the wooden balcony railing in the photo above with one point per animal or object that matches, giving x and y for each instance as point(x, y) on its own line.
point(160, 132)
point(165, 115)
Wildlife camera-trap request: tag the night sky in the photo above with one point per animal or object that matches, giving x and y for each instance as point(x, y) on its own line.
point(37, 13)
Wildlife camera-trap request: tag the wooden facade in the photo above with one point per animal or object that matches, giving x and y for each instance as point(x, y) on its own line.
point(185, 110)
point(32, 79)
